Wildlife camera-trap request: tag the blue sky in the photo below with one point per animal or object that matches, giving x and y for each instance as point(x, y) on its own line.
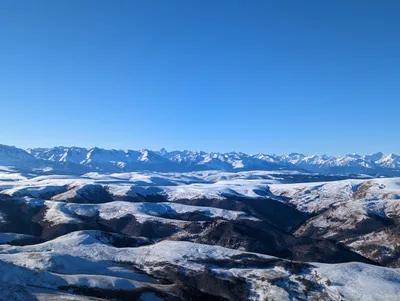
point(252, 76)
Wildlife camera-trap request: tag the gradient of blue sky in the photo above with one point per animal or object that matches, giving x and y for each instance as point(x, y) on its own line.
point(253, 76)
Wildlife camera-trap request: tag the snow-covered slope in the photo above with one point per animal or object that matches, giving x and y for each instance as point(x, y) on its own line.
point(353, 212)
point(317, 196)
point(170, 186)
point(12, 156)
point(203, 235)
point(171, 270)
point(362, 214)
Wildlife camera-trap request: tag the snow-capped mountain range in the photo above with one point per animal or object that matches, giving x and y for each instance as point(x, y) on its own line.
point(80, 159)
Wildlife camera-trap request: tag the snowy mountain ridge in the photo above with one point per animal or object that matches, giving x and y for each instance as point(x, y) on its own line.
point(113, 160)
point(81, 159)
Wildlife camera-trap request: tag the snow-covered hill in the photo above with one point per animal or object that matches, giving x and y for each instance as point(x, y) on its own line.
point(87, 263)
point(362, 214)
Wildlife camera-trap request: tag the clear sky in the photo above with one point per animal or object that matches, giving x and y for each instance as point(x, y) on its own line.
point(253, 76)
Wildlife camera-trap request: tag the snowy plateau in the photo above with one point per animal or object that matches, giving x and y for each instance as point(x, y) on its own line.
point(96, 224)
